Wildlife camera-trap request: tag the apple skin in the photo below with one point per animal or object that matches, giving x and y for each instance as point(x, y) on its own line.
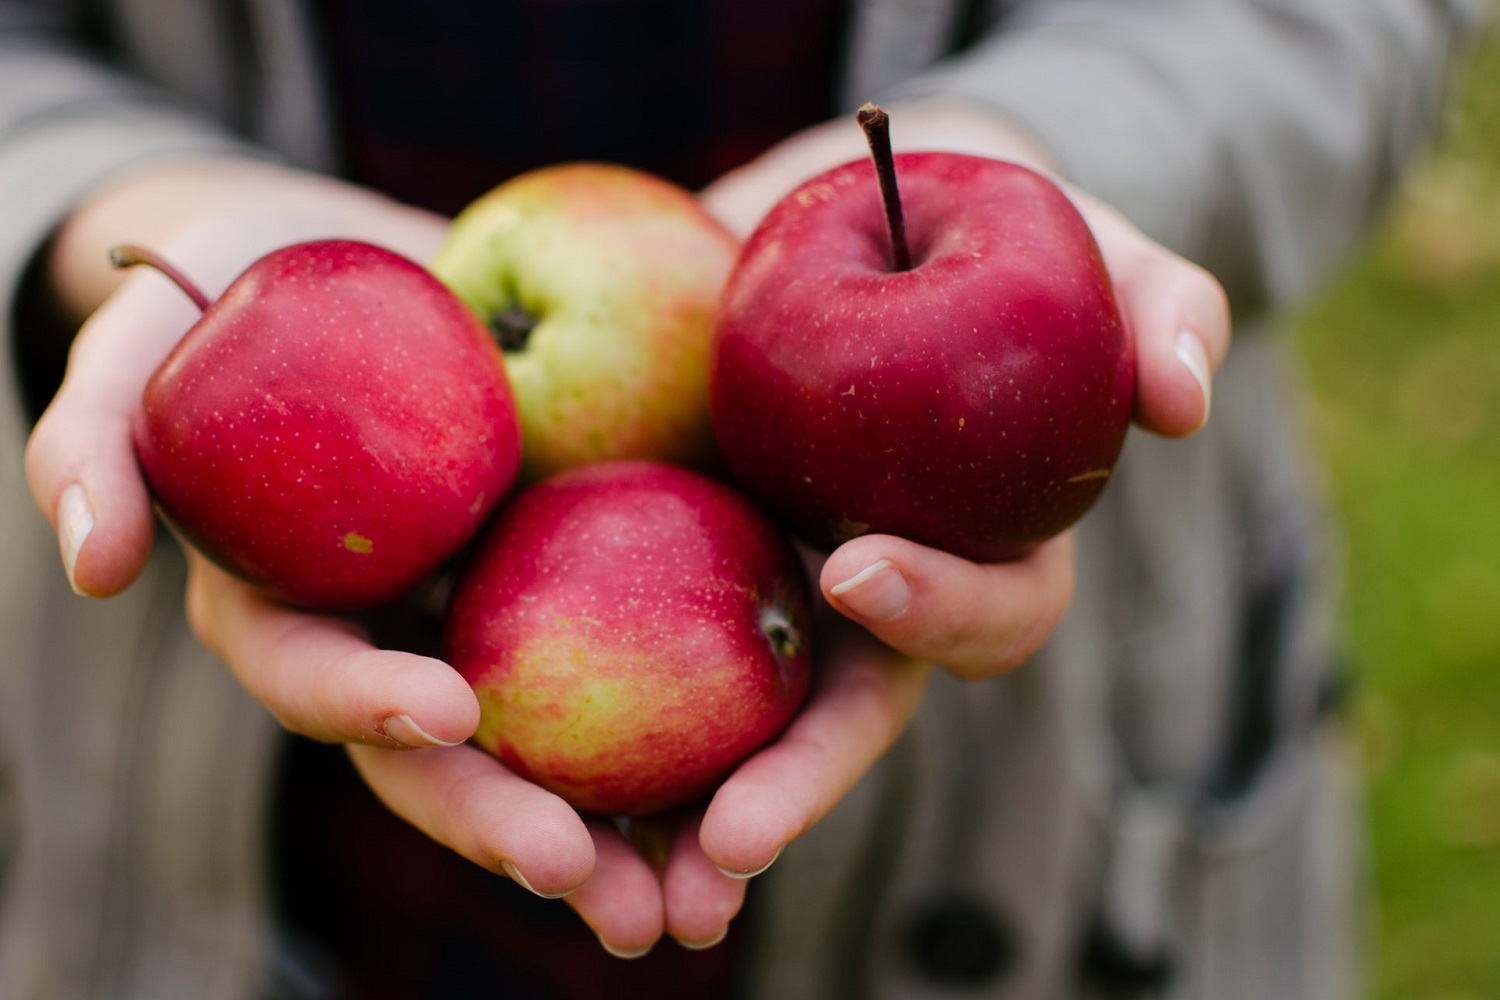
point(335, 427)
point(975, 403)
point(633, 631)
point(621, 271)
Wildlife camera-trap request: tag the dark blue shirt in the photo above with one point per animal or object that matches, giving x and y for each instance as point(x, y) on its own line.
point(441, 101)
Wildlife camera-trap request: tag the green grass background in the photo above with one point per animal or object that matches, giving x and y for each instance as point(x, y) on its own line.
point(1403, 354)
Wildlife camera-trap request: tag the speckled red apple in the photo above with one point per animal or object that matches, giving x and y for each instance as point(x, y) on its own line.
point(973, 397)
point(633, 631)
point(335, 427)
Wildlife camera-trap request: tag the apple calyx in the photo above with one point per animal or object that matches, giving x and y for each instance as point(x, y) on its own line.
point(877, 128)
point(129, 255)
point(782, 634)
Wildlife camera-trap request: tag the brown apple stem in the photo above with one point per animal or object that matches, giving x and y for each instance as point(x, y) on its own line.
point(512, 328)
point(129, 255)
point(877, 127)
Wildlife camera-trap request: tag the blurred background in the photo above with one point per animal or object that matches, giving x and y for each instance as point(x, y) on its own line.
point(1403, 354)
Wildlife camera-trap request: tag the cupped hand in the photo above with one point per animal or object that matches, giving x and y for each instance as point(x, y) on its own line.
point(404, 717)
point(683, 876)
point(977, 620)
point(319, 676)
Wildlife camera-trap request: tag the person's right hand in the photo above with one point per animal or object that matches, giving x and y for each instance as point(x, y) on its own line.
point(403, 716)
point(318, 675)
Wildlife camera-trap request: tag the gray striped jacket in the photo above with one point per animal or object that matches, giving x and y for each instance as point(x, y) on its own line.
point(1155, 803)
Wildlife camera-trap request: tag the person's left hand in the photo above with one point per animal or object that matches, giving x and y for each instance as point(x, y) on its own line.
point(976, 620)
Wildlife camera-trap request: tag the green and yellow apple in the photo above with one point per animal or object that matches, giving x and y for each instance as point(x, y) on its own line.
point(601, 283)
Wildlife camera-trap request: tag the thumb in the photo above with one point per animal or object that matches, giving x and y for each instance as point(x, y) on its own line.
point(80, 460)
point(976, 620)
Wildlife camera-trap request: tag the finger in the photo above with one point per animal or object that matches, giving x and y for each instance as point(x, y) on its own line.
point(976, 620)
point(1178, 315)
point(466, 800)
point(320, 676)
point(864, 696)
point(622, 901)
point(700, 899)
point(80, 460)
point(1180, 320)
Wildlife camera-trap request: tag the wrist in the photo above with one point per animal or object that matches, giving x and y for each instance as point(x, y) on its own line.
point(237, 208)
point(149, 204)
point(959, 125)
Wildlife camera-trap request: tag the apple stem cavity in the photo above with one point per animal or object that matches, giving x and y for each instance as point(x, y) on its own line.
point(877, 128)
point(513, 328)
point(129, 255)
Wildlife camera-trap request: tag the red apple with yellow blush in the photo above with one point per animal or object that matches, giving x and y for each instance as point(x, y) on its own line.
point(633, 631)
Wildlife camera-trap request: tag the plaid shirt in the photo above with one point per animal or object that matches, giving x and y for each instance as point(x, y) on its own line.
point(373, 910)
point(442, 106)
point(439, 104)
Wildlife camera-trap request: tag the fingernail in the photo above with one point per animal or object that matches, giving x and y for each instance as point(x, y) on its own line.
point(625, 952)
point(877, 593)
point(751, 874)
point(705, 945)
point(515, 874)
point(1194, 358)
point(75, 519)
point(404, 730)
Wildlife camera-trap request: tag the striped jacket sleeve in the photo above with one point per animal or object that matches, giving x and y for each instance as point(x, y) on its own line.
point(1259, 137)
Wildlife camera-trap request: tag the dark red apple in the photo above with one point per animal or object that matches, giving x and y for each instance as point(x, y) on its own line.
point(633, 631)
point(334, 428)
point(973, 397)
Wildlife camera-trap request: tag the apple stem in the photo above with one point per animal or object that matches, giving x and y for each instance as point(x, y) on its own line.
point(512, 328)
point(129, 255)
point(877, 128)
